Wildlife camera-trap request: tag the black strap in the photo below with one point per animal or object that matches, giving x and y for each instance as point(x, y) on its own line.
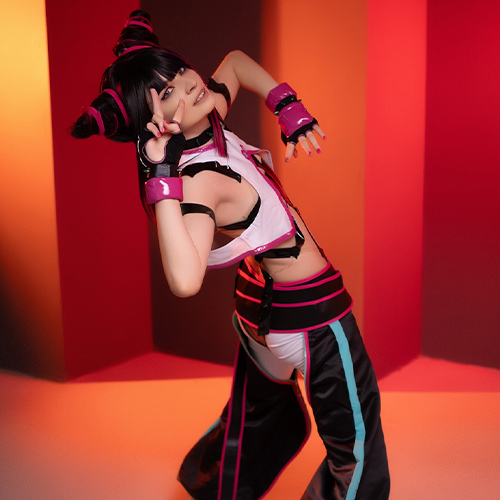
point(195, 168)
point(219, 88)
point(266, 304)
point(244, 224)
point(197, 208)
point(285, 102)
point(234, 432)
point(200, 140)
point(284, 253)
point(300, 131)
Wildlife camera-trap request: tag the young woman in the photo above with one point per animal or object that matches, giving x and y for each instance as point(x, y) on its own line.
point(292, 310)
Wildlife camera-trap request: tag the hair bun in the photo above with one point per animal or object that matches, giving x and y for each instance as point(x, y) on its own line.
point(138, 31)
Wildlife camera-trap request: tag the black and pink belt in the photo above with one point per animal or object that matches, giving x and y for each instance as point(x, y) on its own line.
point(290, 307)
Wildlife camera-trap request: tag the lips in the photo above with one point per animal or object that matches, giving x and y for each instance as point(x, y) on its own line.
point(200, 97)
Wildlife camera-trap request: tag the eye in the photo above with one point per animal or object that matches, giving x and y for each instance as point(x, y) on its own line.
point(181, 71)
point(167, 93)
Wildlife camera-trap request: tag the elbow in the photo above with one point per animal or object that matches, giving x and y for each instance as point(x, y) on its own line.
point(184, 288)
point(235, 54)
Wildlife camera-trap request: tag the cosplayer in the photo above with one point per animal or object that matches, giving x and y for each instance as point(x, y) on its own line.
point(292, 312)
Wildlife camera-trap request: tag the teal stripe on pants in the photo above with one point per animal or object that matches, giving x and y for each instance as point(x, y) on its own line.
point(359, 425)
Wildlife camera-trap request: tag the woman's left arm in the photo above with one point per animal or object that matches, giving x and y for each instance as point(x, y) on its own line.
point(296, 123)
point(238, 69)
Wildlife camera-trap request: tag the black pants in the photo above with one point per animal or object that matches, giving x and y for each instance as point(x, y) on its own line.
point(265, 424)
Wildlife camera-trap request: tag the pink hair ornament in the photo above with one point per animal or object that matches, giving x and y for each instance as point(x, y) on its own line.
point(119, 103)
point(139, 23)
point(135, 47)
point(98, 118)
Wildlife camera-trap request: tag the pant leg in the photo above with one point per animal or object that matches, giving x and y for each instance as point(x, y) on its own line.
point(345, 399)
point(263, 426)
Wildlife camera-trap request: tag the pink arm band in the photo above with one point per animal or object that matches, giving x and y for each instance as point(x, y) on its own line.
point(161, 188)
point(277, 94)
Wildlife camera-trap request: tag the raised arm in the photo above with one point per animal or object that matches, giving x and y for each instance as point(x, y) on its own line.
point(238, 69)
point(296, 123)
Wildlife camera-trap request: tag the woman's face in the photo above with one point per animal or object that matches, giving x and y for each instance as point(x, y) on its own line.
point(199, 101)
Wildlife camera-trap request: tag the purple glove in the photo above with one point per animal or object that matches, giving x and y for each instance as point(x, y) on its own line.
point(163, 177)
point(293, 117)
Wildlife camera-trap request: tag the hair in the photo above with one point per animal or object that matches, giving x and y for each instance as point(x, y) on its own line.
point(121, 111)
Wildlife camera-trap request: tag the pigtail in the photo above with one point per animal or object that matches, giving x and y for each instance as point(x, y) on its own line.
point(106, 116)
point(137, 34)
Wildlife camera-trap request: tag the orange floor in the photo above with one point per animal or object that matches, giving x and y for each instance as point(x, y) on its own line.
point(120, 434)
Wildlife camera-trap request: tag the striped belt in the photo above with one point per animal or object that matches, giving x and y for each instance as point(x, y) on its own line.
point(290, 307)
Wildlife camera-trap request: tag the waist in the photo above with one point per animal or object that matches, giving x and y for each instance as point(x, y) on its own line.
point(290, 307)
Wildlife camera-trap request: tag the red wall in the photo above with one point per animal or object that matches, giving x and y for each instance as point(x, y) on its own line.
point(79, 299)
point(461, 274)
point(102, 230)
point(394, 170)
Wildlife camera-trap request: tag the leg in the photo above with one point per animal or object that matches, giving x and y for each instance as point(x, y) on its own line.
point(263, 426)
point(345, 400)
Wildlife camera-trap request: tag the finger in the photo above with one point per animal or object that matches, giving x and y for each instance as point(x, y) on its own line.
point(179, 112)
point(157, 109)
point(305, 145)
point(318, 130)
point(314, 143)
point(175, 123)
point(295, 153)
point(290, 151)
point(153, 128)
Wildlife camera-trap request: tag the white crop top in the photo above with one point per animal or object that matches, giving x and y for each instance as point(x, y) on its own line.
point(273, 223)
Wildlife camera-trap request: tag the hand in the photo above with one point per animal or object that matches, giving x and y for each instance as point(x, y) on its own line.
point(161, 129)
point(297, 124)
point(160, 149)
point(306, 141)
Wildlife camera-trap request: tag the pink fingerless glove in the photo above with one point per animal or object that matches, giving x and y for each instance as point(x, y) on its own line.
point(293, 117)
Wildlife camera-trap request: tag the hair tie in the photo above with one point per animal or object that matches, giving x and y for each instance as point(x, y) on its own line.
point(119, 103)
point(139, 23)
point(98, 118)
point(135, 47)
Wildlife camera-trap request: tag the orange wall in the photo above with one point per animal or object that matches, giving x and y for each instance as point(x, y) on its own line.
point(360, 69)
point(31, 324)
point(321, 52)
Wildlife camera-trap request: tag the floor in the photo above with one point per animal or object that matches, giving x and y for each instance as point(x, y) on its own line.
point(120, 434)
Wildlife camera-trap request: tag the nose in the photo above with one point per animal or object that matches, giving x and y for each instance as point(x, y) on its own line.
point(190, 85)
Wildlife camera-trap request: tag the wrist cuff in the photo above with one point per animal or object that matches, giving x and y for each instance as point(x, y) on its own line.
point(277, 94)
point(293, 117)
point(161, 188)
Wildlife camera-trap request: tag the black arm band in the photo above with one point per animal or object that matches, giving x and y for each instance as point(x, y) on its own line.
point(196, 208)
point(219, 88)
point(285, 102)
point(163, 170)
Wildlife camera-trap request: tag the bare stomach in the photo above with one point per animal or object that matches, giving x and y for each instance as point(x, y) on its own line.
point(310, 260)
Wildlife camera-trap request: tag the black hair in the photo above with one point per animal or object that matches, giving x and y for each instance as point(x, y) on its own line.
point(121, 111)
point(141, 64)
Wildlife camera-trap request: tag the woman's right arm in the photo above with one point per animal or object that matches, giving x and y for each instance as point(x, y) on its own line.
point(185, 241)
point(185, 244)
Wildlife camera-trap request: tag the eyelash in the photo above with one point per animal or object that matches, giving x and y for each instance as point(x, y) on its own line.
point(170, 89)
